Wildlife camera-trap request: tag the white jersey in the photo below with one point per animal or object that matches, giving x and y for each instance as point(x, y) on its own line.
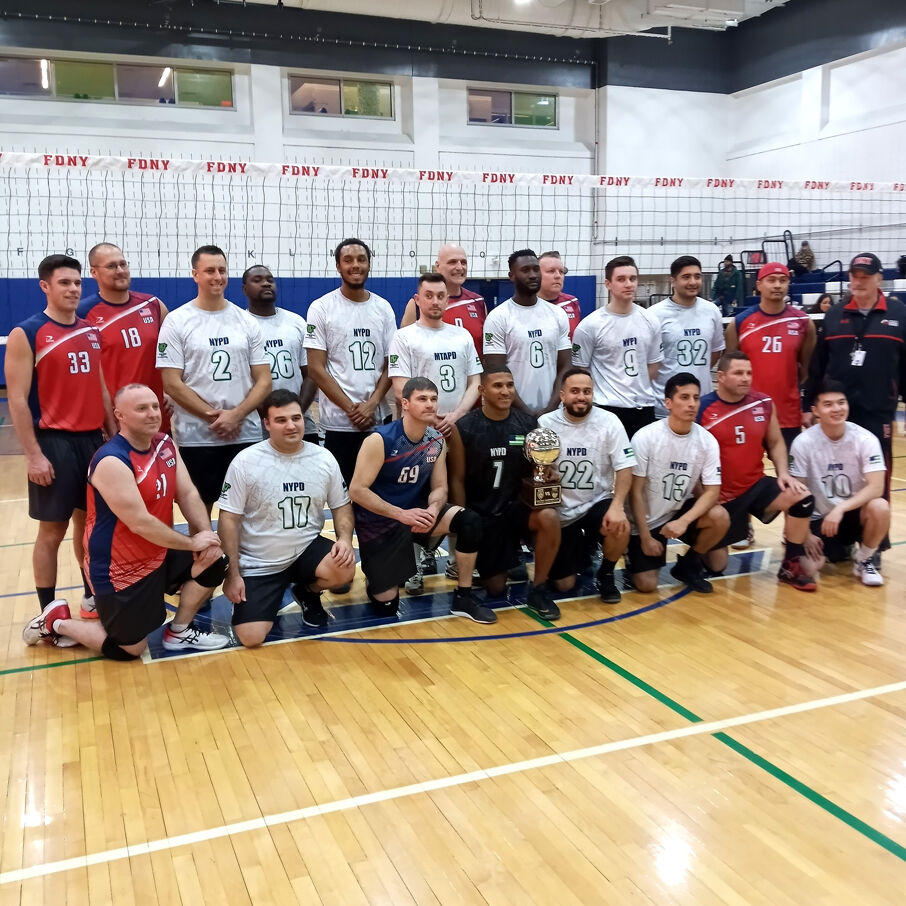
point(215, 350)
point(281, 498)
point(356, 337)
point(617, 350)
point(673, 465)
point(446, 355)
point(689, 337)
point(530, 336)
point(284, 333)
point(590, 452)
point(834, 470)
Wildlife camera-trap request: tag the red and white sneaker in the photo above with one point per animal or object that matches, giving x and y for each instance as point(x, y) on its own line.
point(41, 626)
point(793, 572)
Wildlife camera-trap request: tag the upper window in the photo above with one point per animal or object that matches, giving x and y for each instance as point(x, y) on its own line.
point(512, 108)
point(340, 97)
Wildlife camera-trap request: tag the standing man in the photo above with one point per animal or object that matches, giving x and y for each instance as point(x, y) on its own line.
point(128, 324)
point(675, 489)
point(465, 308)
point(400, 494)
point(59, 403)
point(727, 292)
point(212, 360)
point(486, 466)
point(347, 341)
point(433, 349)
point(271, 518)
point(133, 555)
point(779, 340)
point(692, 333)
point(529, 337)
point(621, 346)
point(843, 466)
point(744, 424)
point(595, 465)
point(553, 270)
point(283, 333)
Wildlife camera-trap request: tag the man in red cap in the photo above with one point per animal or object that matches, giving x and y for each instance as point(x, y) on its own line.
point(779, 340)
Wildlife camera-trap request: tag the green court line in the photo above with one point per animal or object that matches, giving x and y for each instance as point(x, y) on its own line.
point(31, 667)
point(848, 818)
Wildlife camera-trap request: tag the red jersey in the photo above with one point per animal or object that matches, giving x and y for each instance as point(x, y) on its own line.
point(128, 333)
point(66, 387)
point(572, 309)
point(740, 430)
point(772, 343)
point(115, 557)
point(467, 310)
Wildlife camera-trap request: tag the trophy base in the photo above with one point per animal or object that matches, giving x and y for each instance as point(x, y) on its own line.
point(538, 496)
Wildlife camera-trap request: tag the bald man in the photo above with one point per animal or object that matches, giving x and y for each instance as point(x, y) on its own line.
point(464, 308)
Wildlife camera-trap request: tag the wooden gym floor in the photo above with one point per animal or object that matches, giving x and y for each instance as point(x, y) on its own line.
point(747, 747)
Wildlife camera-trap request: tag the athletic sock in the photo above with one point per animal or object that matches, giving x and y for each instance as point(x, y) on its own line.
point(607, 567)
point(462, 590)
point(793, 550)
point(46, 594)
point(866, 553)
point(88, 591)
point(692, 558)
point(177, 628)
point(55, 624)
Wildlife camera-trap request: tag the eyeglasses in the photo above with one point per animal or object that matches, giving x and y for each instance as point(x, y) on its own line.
point(116, 266)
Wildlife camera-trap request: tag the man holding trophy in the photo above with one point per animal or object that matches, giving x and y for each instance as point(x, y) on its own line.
point(595, 463)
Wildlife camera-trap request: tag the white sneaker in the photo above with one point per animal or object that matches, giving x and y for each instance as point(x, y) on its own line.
point(748, 541)
point(195, 638)
point(866, 571)
point(41, 626)
point(88, 609)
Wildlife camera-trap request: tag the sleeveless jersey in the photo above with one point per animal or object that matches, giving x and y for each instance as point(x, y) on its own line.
point(404, 479)
point(772, 342)
point(128, 332)
point(66, 389)
point(495, 463)
point(115, 557)
point(740, 430)
point(571, 308)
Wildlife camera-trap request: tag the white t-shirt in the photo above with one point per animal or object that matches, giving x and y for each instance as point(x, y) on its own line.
point(590, 452)
point(617, 350)
point(834, 470)
point(356, 337)
point(281, 499)
point(215, 351)
point(446, 355)
point(530, 336)
point(673, 464)
point(689, 336)
point(284, 333)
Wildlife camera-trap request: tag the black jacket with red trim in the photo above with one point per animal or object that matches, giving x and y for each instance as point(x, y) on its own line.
point(874, 387)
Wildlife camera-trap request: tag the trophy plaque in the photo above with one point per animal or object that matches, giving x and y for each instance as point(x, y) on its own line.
point(542, 447)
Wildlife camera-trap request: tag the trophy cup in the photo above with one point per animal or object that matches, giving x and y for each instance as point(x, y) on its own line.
point(542, 447)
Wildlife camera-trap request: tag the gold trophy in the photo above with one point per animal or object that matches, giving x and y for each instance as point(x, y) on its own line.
point(542, 447)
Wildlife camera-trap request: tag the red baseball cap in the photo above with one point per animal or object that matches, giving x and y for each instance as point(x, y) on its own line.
point(773, 267)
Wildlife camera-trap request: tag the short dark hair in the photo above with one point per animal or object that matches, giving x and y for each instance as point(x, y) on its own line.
point(680, 380)
point(728, 258)
point(619, 261)
point(520, 253)
point(96, 248)
point(549, 255)
point(255, 267)
point(829, 385)
point(731, 355)
point(417, 383)
point(54, 262)
point(496, 369)
point(682, 262)
point(572, 372)
point(277, 399)
point(431, 277)
point(351, 240)
point(206, 250)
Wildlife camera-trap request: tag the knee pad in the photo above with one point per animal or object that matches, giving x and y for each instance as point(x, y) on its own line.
point(802, 509)
point(214, 574)
point(393, 603)
point(111, 650)
point(467, 526)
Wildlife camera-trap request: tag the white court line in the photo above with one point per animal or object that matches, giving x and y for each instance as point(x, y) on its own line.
point(414, 789)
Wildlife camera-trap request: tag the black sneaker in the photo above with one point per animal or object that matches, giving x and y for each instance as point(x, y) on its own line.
point(607, 588)
point(470, 605)
point(313, 612)
point(542, 602)
point(693, 576)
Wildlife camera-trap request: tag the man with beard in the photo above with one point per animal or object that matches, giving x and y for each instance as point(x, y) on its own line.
point(553, 270)
point(595, 465)
point(347, 340)
point(528, 336)
point(283, 333)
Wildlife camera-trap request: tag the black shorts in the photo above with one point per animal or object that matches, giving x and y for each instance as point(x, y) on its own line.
point(264, 594)
point(789, 435)
point(848, 532)
point(130, 615)
point(501, 538)
point(632, 419)
point(207, 467)
point(345, 446)
point(577, 540)
point(753, 502)
point(69, 452)
point(640, 562)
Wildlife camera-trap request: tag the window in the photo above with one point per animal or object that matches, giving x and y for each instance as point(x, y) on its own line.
point(25, 77)
point(512, 108)
point(340, 97)
point(204, 88)
point(145, 83)
point(84, 81)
